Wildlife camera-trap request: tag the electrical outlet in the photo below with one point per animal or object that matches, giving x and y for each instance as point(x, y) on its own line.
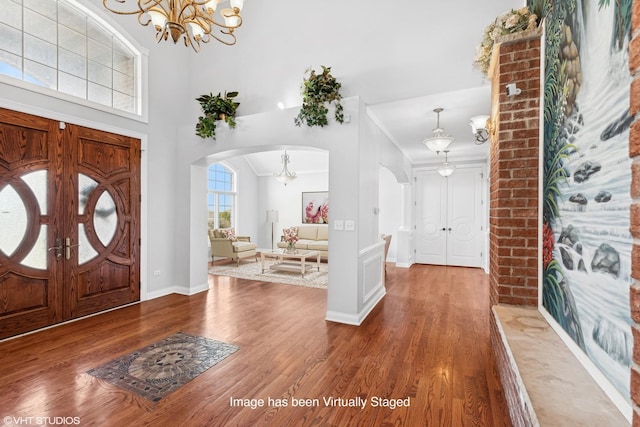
point(156, 272)
point(338, 224)
point(349, 225)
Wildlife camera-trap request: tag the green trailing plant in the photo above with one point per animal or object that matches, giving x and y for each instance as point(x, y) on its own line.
point(319, 91)
point(556, 149)
point(216, 107)
point(552, 295)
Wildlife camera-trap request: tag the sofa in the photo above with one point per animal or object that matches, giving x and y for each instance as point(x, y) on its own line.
point(224, 243)
point(312, 237)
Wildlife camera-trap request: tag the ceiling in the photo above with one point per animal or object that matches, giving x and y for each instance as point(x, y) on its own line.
point(300, 161)
point(408, 122)
point(401, 61)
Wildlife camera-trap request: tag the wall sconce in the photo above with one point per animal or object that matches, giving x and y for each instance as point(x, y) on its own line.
point(480, 126)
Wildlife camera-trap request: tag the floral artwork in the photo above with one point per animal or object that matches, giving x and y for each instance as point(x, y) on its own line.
point(315, 208)
point(511, 22)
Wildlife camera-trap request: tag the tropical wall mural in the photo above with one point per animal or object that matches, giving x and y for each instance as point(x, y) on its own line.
point(587, 178)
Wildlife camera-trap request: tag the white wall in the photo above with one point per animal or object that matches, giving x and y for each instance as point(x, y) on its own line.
point(390, 216)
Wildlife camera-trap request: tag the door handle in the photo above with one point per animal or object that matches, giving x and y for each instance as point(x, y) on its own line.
point(58, 248)
point(67, 247)
point(444, 229)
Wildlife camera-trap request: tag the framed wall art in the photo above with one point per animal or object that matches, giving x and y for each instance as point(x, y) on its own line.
point(315, 207)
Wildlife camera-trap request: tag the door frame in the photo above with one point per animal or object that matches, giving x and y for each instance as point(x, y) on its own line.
point(144, 175)
point(484, 211)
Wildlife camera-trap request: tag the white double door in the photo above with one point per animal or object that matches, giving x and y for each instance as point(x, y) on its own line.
point(449, 218)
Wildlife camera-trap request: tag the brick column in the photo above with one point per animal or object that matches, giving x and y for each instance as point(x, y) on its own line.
point(634, 153)
point(513, 215)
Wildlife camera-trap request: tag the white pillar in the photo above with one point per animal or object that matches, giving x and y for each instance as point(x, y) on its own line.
point(404, 257)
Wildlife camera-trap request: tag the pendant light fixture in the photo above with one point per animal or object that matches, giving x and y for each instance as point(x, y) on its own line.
point(285, 176)
point(446, 168)
point(439, 141)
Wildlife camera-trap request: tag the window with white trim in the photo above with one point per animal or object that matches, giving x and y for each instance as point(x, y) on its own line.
point(221, 197)
point(59, 45)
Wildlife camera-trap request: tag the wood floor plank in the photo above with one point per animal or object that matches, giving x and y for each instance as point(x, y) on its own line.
point(427, 340)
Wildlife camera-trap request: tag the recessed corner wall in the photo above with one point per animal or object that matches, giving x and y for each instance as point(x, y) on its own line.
point(513, 215)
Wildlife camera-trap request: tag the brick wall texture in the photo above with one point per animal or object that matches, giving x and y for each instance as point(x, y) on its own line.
point(513, 216)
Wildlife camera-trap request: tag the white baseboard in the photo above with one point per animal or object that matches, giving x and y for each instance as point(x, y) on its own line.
point(376, 297)
point(181, 290)
point(357, 319)
point(403, 264)
point(349, 319)
point(161, 293)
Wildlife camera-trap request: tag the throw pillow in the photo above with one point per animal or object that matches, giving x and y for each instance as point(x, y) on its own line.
point(230, 234)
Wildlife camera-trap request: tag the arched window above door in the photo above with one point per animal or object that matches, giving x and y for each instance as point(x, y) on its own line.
point(63, 49)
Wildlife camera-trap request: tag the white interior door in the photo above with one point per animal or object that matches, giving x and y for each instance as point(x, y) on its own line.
point(431, 221)
point(449, 218)
point(464, 218)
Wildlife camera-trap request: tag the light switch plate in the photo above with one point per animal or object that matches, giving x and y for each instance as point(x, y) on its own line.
point(349, 225)
point(338, 224)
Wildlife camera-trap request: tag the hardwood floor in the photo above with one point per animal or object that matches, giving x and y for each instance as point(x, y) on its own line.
point(428, 341)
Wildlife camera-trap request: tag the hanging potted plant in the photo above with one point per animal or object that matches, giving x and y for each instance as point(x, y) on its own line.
point(319, 91)
point(216, 107)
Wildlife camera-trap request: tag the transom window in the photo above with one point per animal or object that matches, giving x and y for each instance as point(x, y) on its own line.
point(58, 45)
point(221, 196)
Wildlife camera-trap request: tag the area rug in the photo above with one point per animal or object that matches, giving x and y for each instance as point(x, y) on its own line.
point(161, 368)
point(251, 270)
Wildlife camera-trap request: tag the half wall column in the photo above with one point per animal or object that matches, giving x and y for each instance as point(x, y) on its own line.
point(513, 214)
point(404, 252)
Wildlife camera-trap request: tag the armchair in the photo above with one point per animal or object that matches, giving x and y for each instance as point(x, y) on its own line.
point(235, 248)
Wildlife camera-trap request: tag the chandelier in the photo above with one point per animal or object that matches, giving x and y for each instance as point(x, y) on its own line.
point(285, 176)
point(446, 168)
point(439, 141)
point(192, 20)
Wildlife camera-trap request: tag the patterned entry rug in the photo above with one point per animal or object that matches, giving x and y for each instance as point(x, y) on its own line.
point(163, 367)
point(251, 270)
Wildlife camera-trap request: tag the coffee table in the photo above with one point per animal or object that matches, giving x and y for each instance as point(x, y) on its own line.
point(286, 261)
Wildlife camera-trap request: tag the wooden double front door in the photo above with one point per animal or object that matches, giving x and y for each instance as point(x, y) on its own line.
point(69, 221)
